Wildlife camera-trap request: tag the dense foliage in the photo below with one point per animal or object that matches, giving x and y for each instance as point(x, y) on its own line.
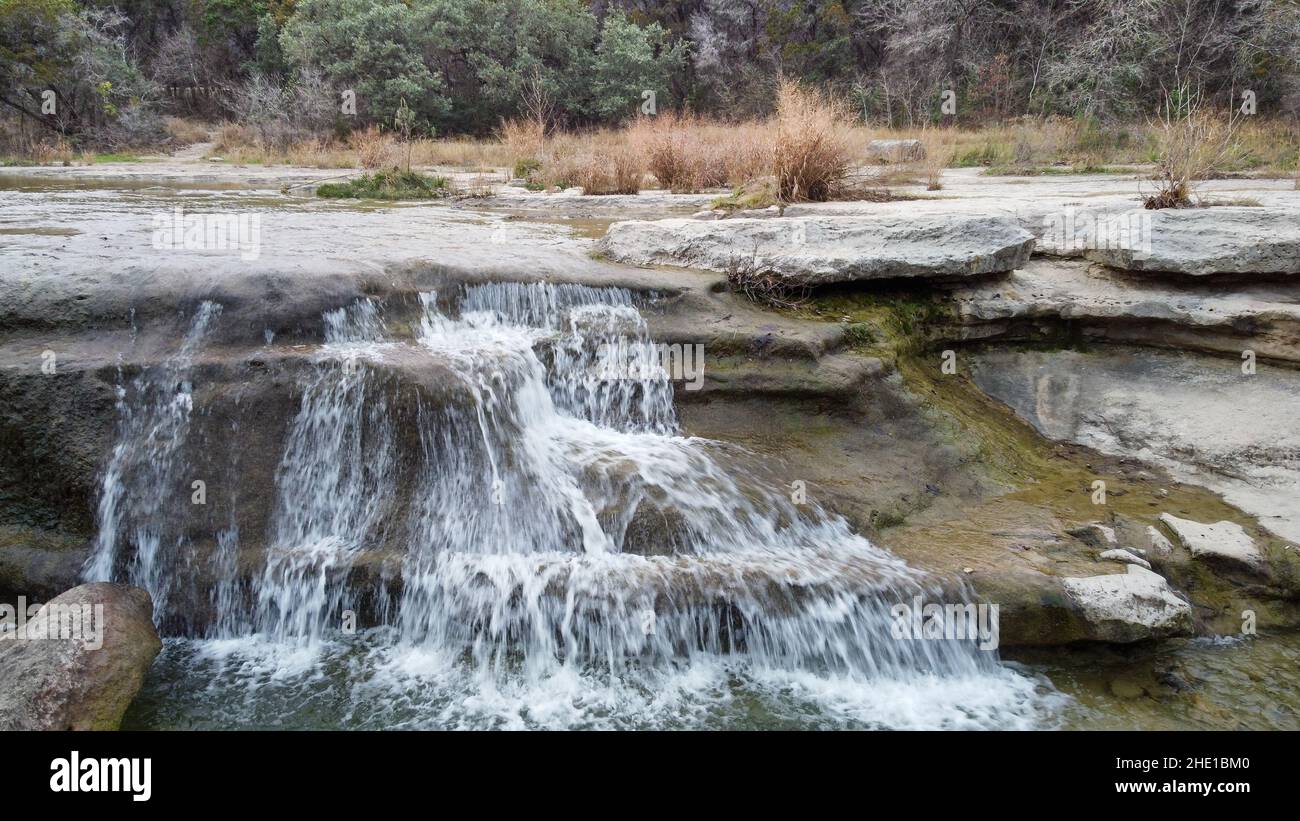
point(461, 66)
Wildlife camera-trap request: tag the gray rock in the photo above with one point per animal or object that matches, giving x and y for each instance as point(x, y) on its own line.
point(1096, 535)
point(1198, 417)
point(1118, 307)
point(1205, 241)
point(1158, 542)
point(814, 250)
point(1226, 541)
point(1132, 606)
point(896, 150)
point(78, 663)
point(1121, 555)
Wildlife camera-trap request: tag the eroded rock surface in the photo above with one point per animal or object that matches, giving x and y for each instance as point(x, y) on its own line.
point(1220, 541)
point(1048, 297)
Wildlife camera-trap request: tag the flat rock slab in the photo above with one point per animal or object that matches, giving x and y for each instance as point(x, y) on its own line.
point(78, 663)
point(1202, 241)
point(1123, 307)
point(817, 250)
point(1226, 541)
point(1132, 606)
point(1121, 555)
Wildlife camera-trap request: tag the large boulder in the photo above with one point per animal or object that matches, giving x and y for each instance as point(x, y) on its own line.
point(1132, 606)
point(817, 250)
point(78, 663)
point(1202, 241)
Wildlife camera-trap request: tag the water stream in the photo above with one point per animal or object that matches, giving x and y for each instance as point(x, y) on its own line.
point(568, 557)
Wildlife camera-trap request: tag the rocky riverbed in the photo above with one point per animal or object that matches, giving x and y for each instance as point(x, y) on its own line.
point(962, 379)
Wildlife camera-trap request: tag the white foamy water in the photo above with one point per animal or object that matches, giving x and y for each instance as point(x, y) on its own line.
point(143, 472)
point(568, 558)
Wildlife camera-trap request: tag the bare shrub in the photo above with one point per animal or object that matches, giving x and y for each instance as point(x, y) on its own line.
point(1193, 142)
point(746, 276)
point(812, 151)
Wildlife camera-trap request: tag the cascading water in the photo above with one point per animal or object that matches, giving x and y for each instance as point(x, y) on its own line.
point(569, 558)
point(143, 476)
point(333, 480)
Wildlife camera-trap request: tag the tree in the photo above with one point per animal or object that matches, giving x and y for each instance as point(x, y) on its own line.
point(631, 59)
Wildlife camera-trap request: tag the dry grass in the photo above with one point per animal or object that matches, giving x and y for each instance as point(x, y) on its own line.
point(746, 276)
point(813, 148)
point(375, 148)
point(185, 131)
point(687, 154)
point(366, 148)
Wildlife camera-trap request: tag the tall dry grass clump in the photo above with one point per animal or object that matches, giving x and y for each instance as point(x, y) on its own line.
point(687, 153)
point(674, 151)
point(524, 140)
point(1193, 141)
point(812, 151)
point(375, 148)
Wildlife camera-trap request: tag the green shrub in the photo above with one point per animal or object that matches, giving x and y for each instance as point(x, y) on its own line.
point(388, 185)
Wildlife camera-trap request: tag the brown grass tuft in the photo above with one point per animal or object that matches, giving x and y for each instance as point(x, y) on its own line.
point(812, 152)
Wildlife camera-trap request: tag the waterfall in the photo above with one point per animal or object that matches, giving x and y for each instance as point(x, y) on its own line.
point(332, 482)
point(739, 570)
point(567, 556)
point(143, 485)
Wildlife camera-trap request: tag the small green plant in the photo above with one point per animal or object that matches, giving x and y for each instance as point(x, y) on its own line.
point(524, 168)
point(859, 334)
point(388, 185)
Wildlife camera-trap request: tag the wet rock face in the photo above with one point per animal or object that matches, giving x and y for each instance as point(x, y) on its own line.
point(1206, 241)
point(1201, 418)
point(79, 662)
point(819, 250)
